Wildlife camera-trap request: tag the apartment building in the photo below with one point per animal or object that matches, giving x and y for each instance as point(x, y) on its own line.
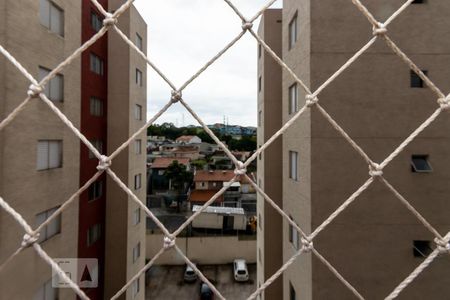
point(42, 163)
point(125, 221)
point(376, 242)
point(269, 231)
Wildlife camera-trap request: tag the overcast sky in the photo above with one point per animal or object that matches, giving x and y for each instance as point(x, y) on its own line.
point(183, 35)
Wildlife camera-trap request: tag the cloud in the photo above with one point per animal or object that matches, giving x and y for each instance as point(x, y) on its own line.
point(182, 36)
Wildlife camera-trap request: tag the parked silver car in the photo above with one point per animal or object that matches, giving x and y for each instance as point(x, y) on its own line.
point(240, 270)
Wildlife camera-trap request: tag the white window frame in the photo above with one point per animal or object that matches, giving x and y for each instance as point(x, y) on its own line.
point(139, 42)
point(135, 287)
point(47, 11)
point(51, 229)
point(54, 90)
point(136, 252)
point(96, 64)
point(137, 216)
point(138, 112)
point(293, 165)
point(98, 144)
point(96, 107)
point(49, 155)
point(293, 31)
point(138, 146)
point(293, 98)
point(139, 77)
point(96, 21)
point(94, 233)
point(138, 181)
point(96, 189)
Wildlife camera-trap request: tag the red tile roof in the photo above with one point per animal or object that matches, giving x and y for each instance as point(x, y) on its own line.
point(204, 196)
point(164, 162)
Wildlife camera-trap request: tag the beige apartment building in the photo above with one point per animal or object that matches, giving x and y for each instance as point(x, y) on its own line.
point(269, 231)
point(125, 239)
point(41, 160)
point(376, 242)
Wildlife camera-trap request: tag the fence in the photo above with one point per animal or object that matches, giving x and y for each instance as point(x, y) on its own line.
point(380, 31)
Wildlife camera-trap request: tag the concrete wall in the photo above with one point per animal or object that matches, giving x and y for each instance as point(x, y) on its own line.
point(270, 237)
point(203, 250)
point(27, 190)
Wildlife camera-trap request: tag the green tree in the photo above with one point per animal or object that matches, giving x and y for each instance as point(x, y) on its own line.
point(179, 177)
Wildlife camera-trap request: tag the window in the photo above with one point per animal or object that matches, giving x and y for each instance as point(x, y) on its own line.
point(294, 237)
point(96, 64)
point(136, 252)
point(49, 154)
point(420, 164)
point(138, 77)
point(416, 81)
point(47, 292)
point(98, 144)
point(52, 228)
point(259, 50)
point(418, 2)
point(96, 21)
point(293, 165)
point(260, 222)
point(293, 98)
point(52, 17)
point(260, 255)
point(54, 90)
point(135, 288)
point(96, 107)
point(293, 31)
point(138, 112)
point(139, 43)
point(137, 216)
point(94, 233)
point(138, 146)
point(260, 118)
point(259, 83)
point(137, 181)
point(422, 248)
point(95, 190)
point(292, 294)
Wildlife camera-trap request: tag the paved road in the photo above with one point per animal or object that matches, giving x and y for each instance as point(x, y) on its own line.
point(166, 282)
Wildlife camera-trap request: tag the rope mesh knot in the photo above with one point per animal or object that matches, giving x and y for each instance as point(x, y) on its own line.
point(104, 163)
point(109, 20)
point(247, 26)
point(176, 96)
point(240, 169)
point(443, 245)
point(444, 102)
point(380, 29)
point(169, 242)
point(311, 100)
point(34, 90)
point(307, 245)
point(29, 240)
point(375, 170)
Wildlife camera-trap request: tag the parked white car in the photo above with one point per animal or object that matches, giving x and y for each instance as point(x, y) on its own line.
point(240, 270)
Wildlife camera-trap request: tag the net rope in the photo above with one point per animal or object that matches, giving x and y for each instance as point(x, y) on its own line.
point(312, 101)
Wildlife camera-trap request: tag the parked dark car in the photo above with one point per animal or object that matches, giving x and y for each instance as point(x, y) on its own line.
point(205, 292)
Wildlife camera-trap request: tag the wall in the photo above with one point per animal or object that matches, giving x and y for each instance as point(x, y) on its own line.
point(203, 250)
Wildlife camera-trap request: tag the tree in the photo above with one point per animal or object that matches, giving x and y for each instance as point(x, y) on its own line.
point(179, 178)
